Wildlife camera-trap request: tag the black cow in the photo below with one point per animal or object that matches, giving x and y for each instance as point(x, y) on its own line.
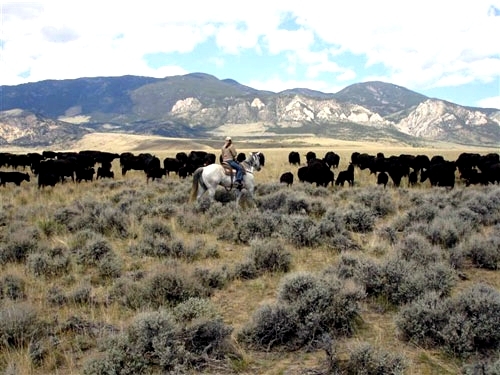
point(210, 158)
point(15, 177)
point(294, 158)
point(346, 175)
point(319, 173)
point(362, 161)
point(240, 157)
point(466, 161)
point(397, 169)
point(420, 162)
point(103, 172)
point(155, 173)
point(382, 179)
point(474, 177)
point(332, 159)
point(129, 161)
point(287, 178)
point(492, 173)
point(183, 171)
point(86, 174)
point(440, 174)
point(171, 165)
point(311, 155)
point(262, 159)
point(413, 178)
point(58, 169)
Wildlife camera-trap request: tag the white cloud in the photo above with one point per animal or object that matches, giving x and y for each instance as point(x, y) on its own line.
point(422, 44)
point(493, 102)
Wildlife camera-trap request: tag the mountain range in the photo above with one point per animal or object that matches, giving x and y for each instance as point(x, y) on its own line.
point(198, 105)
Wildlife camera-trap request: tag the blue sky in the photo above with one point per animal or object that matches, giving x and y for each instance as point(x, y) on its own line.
point(443, 49)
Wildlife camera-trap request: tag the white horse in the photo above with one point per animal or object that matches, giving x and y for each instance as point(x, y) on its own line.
point(209, 177)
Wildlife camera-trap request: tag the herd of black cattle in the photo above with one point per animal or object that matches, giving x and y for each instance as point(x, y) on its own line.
point(54, 167)
point(473, 168)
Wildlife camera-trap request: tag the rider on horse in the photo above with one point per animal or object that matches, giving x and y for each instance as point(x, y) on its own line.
point(229, 156)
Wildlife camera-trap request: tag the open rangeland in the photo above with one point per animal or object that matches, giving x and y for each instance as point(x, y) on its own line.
point(124, 276)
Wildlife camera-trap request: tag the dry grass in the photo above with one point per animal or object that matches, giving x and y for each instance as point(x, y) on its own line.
point(238, 300)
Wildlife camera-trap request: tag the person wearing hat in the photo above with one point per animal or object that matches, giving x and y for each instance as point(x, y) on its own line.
point(229, 156)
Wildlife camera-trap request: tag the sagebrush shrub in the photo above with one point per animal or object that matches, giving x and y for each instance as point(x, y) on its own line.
point(272, 326)
point(56, 297)
point(307, 308)
point(378, 201)
point(365, 359)
point(19, 324)
point(256, 225)
point(194, 308)
point(49, 263)
point(246, 270)
point(169, 287)
point(474, 323)
point(12, 287)
point(156, 342)
point(422, 321)
point(405, 281)
point(483, 250)
point(370, 274)
point(359, 219)
point(442, 231)
point(213, 278)
point(483, 206)
point(270, 256)
point(128, 293)
point(488, 366)
point(416, 247)
point(93, 249)
point(19, 244)
point(300, 231)
point(298, 204)
point(273, 202)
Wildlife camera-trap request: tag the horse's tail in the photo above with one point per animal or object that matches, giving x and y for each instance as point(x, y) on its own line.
point(196, 182)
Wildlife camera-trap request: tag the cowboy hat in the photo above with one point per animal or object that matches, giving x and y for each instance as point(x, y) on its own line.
point(228, 138)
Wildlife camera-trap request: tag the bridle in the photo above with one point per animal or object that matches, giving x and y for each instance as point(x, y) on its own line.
point(249, 163)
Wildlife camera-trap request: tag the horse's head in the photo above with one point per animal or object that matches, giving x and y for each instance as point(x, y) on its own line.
point(255, 160)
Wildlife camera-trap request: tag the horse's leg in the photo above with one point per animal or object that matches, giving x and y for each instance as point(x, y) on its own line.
point(201, 191)
point(211, 192)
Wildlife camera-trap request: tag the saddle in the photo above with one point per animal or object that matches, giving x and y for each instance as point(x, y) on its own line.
point(230, 171)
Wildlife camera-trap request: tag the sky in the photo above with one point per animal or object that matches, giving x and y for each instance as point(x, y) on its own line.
point(444, 49)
